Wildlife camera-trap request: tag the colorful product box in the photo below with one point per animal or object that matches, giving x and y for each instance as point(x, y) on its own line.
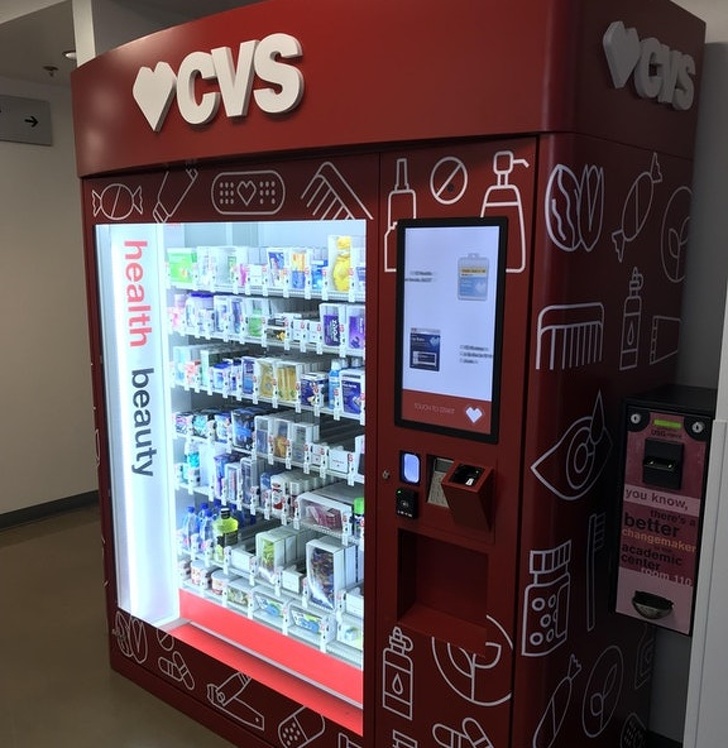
point(333, 324)
point(265, 377)
point(275, 550)
point(182, 265)
point(277, 268)
point(330, 568)
point(356, 327)
point(314, 389)
point(352, 391)
point(244, 424)
point(238, 593)
point(298, 266)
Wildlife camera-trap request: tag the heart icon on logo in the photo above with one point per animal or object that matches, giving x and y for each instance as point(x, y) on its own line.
point(622, 49)
point(474, 414)
point(153, 91)
point(246, 191)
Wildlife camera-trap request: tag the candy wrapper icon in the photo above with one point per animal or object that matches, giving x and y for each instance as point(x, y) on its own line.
point(637, 207)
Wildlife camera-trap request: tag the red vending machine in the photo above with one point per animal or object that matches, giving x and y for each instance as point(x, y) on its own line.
point(352, 275)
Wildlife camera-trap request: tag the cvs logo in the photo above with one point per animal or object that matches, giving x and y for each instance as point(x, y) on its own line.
point(658, 72)
point(155, 90)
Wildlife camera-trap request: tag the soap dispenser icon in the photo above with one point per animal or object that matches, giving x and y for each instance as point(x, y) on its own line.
point(503, 199)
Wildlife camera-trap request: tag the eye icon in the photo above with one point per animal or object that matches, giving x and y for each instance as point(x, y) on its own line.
point(573, 465)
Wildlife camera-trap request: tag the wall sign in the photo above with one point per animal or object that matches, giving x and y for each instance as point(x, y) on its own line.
point(25, 120)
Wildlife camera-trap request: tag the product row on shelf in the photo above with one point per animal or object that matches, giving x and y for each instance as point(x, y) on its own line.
point(303, 582)
point(287, 323)
point(337, 270)
point(333, 385)
point(231, 454)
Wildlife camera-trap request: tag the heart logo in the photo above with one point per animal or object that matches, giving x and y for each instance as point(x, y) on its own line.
point(622, 49)
point(153, 91)
point(474, 414)
point(246, 191)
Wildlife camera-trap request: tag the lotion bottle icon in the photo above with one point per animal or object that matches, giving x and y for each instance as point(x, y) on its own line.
point(631, 319)
point(398, 674)
point(401, 203)
point(504, 199)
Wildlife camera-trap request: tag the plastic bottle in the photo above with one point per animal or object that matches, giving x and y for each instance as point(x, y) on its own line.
point(188, 529)
point(358, 519)
point(335, 384)
point(226, 533)
point(207, 532)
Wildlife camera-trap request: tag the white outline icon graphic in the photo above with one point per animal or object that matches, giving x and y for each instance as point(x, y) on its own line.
point(637, 206)
point(401, 203)
point(226, 696)
point(471, 675)
point(472, 735)
point(602, 691)
point(546, 601)
point(398, 674)
point(172, 192)
point(301, 728)
point(572, 466)
point(117, 201)
point(629, 353)
point(551, 721)
point(176, 668)
point(575, 331)
point(675, 233)
point(131, 636)
point(448, 180)
point(665, 338)
point(574, 207)
point(596, 539)
point(330, 197)
point(504, 198)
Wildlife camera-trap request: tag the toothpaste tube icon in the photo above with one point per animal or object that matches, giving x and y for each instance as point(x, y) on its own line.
point(226, 696)
point(172, 192)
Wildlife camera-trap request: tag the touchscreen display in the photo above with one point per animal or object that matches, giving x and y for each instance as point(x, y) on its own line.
point(450, 280)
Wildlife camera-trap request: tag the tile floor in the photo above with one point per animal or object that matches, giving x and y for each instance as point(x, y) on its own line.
point(56, 687)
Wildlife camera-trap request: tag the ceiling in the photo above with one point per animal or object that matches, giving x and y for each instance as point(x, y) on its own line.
point(32, 43)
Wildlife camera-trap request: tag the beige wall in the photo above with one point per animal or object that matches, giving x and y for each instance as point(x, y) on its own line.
point(47, 439)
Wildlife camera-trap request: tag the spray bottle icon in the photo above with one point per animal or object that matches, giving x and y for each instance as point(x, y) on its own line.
point(401, 203)
point(504, 199)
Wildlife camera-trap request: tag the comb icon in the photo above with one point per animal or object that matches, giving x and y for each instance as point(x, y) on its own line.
point(329, 196)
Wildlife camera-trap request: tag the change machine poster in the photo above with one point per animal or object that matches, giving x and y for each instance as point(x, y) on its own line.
point(449, 324)
point(659, 542)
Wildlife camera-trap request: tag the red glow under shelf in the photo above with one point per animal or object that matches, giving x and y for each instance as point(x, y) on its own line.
point(319, 681)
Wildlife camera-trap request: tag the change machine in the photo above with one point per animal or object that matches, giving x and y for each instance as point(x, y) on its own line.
point(386, 271)
point(665, 447)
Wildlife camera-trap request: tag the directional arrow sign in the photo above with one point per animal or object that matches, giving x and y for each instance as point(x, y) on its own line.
point(25, 120)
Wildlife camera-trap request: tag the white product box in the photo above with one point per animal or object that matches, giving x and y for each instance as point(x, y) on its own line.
point(275, 550)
